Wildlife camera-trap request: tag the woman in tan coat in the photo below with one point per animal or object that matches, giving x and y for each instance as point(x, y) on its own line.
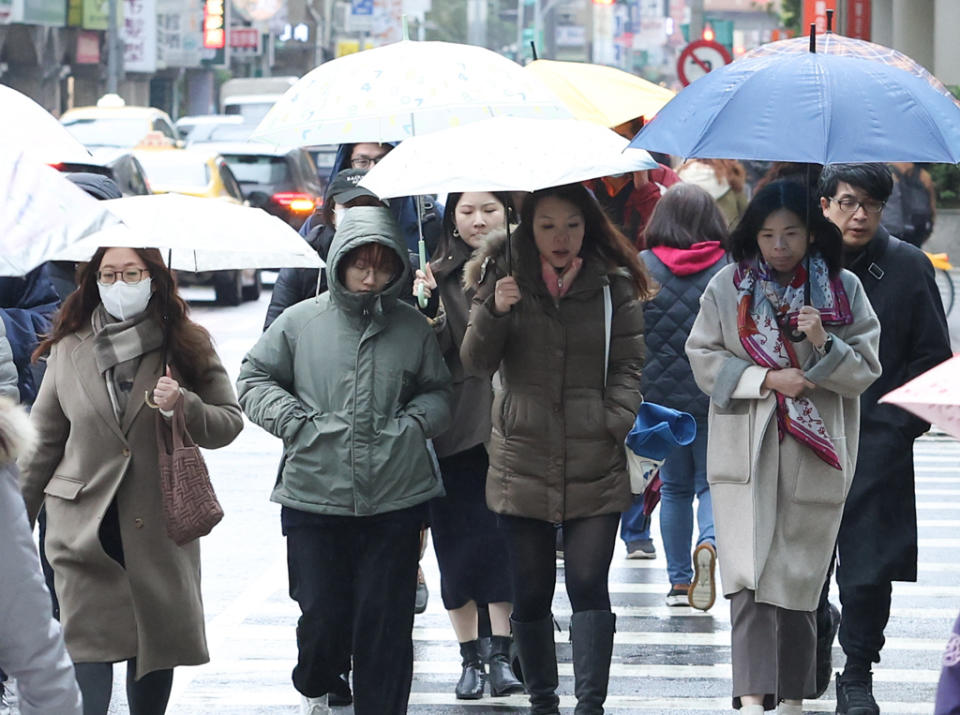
point(127, 591)
point(784, 344)
point(559, 420)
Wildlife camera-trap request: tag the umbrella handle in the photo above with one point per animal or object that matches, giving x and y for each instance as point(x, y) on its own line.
point(421, 298)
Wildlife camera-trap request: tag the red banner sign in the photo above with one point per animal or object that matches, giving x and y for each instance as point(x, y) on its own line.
point(214, 35)
point(858, 19)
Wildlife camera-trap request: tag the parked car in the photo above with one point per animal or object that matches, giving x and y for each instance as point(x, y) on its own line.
point(204, 174)
point(282, 182)
point(201, 124)
point(252, 97)
point(114, 124)
point(119, 164)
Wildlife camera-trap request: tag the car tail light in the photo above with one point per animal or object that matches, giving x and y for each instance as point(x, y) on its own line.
point(295, 201)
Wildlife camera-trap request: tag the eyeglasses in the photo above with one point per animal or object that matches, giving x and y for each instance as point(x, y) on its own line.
point(130, 276)
point(364, 162)
point(850, 205)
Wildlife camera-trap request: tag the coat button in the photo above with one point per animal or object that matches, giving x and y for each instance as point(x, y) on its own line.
point(126, 452)
point(138, 523)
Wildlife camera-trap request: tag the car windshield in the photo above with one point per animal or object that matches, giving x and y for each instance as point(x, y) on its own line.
point(110, 131)
point(252, 112)
point(174, 171)
point(208, 133)
point(258, 169)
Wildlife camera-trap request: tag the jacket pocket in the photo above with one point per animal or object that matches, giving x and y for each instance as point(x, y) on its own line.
point(818, 482)
point(730, 444)
point(64, 487)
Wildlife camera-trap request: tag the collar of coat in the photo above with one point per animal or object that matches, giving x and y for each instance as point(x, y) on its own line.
point(526, 267)
point(453, 253)
point(17, 435)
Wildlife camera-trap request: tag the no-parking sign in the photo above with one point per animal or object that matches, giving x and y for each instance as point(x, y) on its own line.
point(700, 57)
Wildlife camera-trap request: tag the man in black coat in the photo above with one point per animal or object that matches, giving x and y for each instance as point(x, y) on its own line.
point(877, 543)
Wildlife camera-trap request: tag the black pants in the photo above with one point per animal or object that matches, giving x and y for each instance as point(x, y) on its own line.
point(587, 551)
point(864, 616)
point(147, 696)
point(355, 579)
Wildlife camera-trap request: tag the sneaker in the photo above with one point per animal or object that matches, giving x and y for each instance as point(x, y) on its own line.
point(855, 695)
point(423, 594)
point(678, 595)
point(703, 590)
point(314, 706)
point(825, 637)
point(641, 549)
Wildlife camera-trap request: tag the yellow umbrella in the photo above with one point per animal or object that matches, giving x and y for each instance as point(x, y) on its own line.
point(600, 94)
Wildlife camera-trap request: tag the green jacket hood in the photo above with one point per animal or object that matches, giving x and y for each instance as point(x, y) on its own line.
point(362, 225)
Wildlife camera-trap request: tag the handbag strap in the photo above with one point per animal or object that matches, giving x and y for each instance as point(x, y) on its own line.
point(178, 424)
point(607, 327)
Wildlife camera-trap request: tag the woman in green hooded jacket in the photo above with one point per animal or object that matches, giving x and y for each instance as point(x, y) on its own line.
point(354, 384)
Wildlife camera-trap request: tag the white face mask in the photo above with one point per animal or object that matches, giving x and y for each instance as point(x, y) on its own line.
point(338, 213)
point(125, 300)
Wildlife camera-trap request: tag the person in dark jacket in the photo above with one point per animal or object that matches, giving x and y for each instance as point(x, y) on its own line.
point(686, 236)
point(629, 199)
point(296, 284)
point(877, 543)
point(470, 545)
point(27, 306)
point(358, 473)
point(568, 397)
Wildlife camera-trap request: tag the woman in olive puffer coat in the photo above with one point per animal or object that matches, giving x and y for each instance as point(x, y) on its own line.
point(559, 420)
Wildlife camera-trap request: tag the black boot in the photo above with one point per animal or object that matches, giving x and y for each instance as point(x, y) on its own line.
point(592, 634)
point(502, 680)
point(538, 660)
point(855, 693)
point(470, 686)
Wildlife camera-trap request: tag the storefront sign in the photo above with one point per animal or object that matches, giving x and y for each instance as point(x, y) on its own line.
point(88, 48)
point(245, 41)
point(815, 11)
point(858, 19)
point(214, 24)
point(139, 34)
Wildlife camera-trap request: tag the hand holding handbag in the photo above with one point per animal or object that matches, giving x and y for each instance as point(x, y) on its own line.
point(190, 507)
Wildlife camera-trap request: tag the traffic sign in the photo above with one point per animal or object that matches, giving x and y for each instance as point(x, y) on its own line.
point(700, 57)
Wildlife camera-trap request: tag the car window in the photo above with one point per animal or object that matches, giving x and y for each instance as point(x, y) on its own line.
point(229, 181)
point(252, 169)
point(180, 173)
point(109, 131)
point(163, 126)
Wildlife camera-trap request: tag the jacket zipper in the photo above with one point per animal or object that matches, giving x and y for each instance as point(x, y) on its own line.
point(353, 423)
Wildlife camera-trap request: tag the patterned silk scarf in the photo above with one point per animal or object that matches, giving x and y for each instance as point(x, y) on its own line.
point(761, 310)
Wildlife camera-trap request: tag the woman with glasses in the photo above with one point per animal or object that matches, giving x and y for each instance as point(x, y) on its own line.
point(127, 591)
point(784, 343)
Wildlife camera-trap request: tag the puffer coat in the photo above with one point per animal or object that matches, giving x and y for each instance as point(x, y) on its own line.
point(556, 446)
point(354, 384)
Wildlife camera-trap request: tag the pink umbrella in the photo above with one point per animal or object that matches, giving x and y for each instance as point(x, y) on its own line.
point(933, 396)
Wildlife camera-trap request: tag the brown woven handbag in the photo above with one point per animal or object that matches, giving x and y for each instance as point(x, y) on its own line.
point(190, 507)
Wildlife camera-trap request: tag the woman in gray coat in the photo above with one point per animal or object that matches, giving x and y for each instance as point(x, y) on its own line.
point(784, 344)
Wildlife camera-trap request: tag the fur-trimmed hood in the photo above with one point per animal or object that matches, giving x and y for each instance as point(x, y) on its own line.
point(475, 269)
point(17, 435)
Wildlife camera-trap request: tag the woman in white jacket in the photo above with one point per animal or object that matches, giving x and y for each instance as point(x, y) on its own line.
point(31, 644)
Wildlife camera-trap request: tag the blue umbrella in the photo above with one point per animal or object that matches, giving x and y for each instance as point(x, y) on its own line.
point(811, 108)
point(658, 429)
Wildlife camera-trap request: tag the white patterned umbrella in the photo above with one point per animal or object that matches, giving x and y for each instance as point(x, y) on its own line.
point(30, 127)
point(504, 154)
point(401, 90)
point(41, 213)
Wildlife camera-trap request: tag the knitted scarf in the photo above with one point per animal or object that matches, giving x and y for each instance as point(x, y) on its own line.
point(118, 346)
point(760, 311)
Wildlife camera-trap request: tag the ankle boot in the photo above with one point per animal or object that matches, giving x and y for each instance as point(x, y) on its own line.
point(470, 686)
point(502, 680)
point(592, 634)
point(538, 660)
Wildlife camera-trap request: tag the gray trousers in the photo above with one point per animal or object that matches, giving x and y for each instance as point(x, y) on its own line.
point(773, 650)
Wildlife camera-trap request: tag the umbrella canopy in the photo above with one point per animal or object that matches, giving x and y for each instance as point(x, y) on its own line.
point(933, 396)
point(41, 213)
point(402, 90)
point(504, 154)
point(200, 234)
point(596, 93)
point(25, 124)
point(811, 108)
point(830, 43)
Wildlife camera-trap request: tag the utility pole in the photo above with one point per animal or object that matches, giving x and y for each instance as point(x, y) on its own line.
point(114, 51)
point(696, 20)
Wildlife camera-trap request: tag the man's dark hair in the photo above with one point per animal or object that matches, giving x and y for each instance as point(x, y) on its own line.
point(795, 198)
point(875, 179)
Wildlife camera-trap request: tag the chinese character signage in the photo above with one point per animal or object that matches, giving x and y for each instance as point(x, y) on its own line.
point(139, 34)
point(815, 11)
point(858, 19)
